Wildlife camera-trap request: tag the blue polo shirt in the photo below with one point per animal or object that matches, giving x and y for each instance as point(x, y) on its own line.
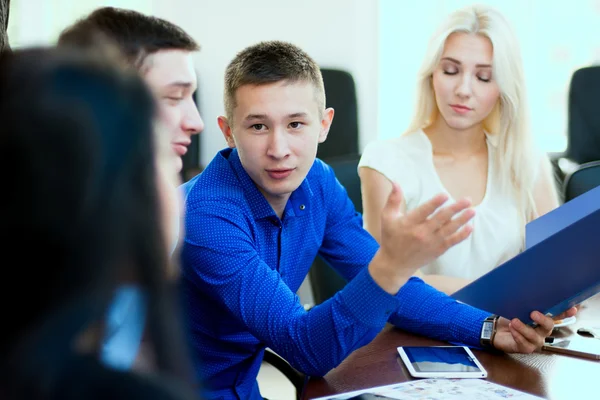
point(242, 266)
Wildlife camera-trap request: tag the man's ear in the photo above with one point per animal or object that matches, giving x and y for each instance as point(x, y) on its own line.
point(226, 129)
point(326, 124)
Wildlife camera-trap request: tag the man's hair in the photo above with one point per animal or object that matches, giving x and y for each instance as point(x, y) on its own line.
point(269, 62)
point(135, 34)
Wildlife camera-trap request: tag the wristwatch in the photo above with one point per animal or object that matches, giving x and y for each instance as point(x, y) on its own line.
point(488, 331)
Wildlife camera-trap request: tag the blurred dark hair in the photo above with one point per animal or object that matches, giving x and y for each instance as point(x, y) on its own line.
point(79, 211)
point(137, 35)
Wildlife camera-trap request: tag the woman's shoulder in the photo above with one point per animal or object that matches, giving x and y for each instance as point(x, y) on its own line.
point(399, 159)
point(408, 146)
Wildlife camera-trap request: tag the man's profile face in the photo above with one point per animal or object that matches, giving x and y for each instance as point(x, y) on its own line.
point(172, 78)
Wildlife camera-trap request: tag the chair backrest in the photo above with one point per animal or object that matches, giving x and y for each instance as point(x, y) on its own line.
point(584, 116)
point(340, 93)
point(346, 171)
point(583, 179)
point(325, 281)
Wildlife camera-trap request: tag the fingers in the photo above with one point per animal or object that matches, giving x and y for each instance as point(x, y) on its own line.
point(527, 338)
point(443, 216)
point(545, 324)
point(455, 224)
point(458, 236)
point(421, 213)
point(523, 345)
point(394, 201)
point(569, 313)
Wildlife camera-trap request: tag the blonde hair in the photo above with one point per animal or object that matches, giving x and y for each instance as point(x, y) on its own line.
point(508, 122)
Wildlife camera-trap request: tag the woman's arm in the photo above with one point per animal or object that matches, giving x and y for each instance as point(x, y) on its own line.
point(446, 284)
point(545, 193)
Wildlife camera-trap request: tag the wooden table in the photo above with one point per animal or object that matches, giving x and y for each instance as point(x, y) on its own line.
point(545, 374)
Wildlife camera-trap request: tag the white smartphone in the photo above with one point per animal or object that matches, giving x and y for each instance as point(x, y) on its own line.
point(441, 362)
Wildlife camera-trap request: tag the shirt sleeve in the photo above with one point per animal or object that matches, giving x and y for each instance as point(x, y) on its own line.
point(426, 311)
point(390, 158)
point(221, 260)
point(346, 246)
point(422, 309)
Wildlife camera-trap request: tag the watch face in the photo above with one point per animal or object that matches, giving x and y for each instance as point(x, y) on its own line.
point(488, 328)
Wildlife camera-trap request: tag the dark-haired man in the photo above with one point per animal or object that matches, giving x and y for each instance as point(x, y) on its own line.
point(162, 53)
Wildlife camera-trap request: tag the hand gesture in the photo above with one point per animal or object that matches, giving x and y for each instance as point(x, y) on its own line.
point(411, 241)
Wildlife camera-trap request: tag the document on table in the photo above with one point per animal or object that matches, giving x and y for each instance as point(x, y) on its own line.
point(436, 389)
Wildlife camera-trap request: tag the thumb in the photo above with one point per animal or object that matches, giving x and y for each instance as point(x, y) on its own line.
point(394, 201)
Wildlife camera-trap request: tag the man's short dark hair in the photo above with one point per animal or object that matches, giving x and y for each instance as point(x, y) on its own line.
point(137, 35)
point(269, 62)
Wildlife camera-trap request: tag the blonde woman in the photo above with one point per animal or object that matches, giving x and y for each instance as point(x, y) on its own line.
point(469, 138)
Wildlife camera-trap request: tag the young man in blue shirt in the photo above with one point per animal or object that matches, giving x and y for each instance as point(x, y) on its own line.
point(261, 211)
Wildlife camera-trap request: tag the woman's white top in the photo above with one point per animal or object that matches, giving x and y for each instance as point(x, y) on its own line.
point(496, 236)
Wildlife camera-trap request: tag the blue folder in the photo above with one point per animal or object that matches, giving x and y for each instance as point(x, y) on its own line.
point(559, 268)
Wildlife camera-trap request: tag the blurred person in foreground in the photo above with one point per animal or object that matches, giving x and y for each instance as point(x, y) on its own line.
point(161, 52)
point(80, 153)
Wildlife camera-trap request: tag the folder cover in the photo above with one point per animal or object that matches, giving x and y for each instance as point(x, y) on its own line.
point(559, 268)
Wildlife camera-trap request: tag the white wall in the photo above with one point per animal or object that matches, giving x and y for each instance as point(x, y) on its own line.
point(381, 42)
point(39, 22)
point(336, 33)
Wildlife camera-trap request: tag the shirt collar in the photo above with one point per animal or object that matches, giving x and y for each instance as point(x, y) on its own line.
point(297, 205)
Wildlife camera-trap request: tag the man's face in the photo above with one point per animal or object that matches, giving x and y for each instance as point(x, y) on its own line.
point(276, 128)
point(171, 77)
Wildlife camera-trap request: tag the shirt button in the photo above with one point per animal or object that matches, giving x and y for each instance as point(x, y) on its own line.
point(302, 206)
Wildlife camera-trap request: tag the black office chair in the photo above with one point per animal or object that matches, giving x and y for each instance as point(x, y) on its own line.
point(583, 122)
point(583, 179)
point(340, 93)
point(296, 378)
point(325, 281)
